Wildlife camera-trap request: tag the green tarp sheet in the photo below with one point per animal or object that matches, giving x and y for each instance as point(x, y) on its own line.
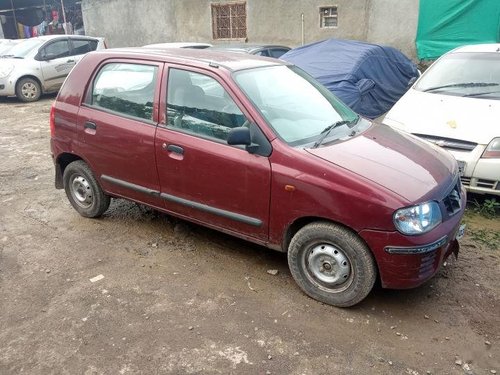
point(447, 24)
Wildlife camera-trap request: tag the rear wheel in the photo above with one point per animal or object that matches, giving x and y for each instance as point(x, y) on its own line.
point(331, 264)
point(28, 90)
point(83, 190)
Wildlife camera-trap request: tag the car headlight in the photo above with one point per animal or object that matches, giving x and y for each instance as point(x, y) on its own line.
point(5, 70)
point(493, 150)
point(418, 219)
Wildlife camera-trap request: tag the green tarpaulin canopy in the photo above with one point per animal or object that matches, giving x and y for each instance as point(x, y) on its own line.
point(447, 24)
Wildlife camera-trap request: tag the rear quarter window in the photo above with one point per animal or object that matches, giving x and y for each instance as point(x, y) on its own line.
point(126, 89)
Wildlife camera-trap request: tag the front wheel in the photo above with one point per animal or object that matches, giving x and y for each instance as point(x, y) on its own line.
point(83, 190)
point(331, 264)
point(28, 90)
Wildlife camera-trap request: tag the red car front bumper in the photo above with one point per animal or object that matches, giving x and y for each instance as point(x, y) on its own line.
point(423, 258)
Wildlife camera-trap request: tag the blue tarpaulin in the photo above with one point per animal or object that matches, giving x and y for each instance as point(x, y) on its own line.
point(367, 77)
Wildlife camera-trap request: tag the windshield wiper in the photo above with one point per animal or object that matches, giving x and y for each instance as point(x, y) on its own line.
point(324, 133)
point(11, 57)
point(480, 94)
point(464, 84)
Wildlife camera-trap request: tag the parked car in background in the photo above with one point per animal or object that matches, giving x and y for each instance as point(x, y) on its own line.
point(40, 65)
point(270, 156)
point(268, 50)
point(367, 77)
point(456, 105)
point(6, 44)
point(179, 45)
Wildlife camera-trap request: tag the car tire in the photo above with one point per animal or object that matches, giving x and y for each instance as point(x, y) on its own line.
point(331, 264)
point(83, 191)
point(28, 90)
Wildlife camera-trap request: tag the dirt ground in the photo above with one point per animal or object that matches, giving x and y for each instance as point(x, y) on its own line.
point(137, 292)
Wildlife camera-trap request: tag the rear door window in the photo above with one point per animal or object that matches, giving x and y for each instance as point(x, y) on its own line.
point(125, 88)
point(263, 52)
point(81, 46)
point(277, 52)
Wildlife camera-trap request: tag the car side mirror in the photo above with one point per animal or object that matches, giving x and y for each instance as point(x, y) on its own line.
point(365, 85)
point(241, 136)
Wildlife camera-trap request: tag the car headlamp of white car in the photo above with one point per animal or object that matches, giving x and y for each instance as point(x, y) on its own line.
point(418, 219)
point(493, 150)
point(5, 70)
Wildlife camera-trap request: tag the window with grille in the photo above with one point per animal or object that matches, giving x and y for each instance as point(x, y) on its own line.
point(229, 21)
point(328, 17)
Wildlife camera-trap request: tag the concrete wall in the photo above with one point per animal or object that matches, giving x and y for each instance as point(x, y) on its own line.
point(394, 23)
point(134, 22)
point(275, 21)
point(130, 22)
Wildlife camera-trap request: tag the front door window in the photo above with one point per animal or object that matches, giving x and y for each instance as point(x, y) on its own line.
point(56, 50)
point(199, 105)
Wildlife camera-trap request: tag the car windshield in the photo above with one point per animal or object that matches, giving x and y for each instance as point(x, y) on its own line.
point(464, 74)
point(22, 49)
point(300, 110)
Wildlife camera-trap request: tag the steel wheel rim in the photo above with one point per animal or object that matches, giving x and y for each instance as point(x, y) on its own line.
point(81, 191)
point(328, 267)
point(29, 90)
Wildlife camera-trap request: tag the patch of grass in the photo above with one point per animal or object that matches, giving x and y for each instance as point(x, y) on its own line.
point(488, 208)
point(488, 238)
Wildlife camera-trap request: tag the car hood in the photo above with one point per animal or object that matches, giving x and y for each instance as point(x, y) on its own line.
point(468, 119)
point(400, 162)
point(8, 61)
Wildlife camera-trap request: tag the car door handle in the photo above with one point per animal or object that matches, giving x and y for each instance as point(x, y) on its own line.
point(173, 148)
point(90, 125)
point(70, 61)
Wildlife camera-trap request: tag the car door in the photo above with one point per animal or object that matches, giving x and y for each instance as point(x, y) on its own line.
point(56, 63)
point(202, 178)
point(117, 124)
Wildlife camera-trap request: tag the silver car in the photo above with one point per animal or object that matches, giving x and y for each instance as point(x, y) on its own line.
point(40, 65)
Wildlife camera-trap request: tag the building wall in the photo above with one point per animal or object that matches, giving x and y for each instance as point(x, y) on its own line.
point(393, 25)
point(127, 23)
point(134, 23)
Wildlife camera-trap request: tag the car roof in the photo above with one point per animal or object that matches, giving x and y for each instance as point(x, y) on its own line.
point(50, 37)
point(177, 45)
point(246, 47)
point(229, 60)
point(480, 48)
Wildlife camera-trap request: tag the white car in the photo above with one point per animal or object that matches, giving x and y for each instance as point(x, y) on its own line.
point(455, 104)
point(40, 65)
point(6, 44)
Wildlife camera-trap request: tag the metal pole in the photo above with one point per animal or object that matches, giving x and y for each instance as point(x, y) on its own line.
point(64, 16)
point(15, 19)
point(302, 18)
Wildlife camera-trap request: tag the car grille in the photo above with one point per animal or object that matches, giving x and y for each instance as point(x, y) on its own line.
point(465, 181)
point(453, 201)
point(488, 184)
point(448, 143)
point(427, 265)
point(480, 183)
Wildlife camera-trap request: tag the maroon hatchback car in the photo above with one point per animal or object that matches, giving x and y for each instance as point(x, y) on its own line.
point(256, 148)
